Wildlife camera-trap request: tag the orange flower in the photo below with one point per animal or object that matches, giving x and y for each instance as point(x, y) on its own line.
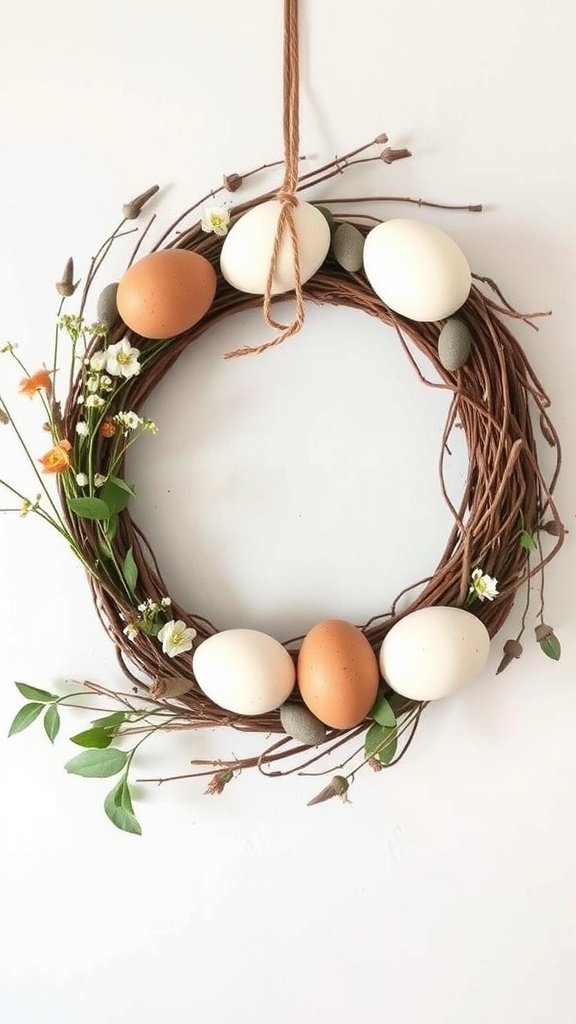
point(57, 459)
point(41, 379)
point(108, 428)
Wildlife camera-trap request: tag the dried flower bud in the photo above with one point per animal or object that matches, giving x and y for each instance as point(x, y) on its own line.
point(66, 286)
point(542, 632)
point(232, 182)
point(554, 528)
point(4, 417)
point(390, 155)
point(169, 686)
point(134, 208)
point(218, 781)
point(375, 764)
point(512, 649)
point(381, 139)
point(338, 787)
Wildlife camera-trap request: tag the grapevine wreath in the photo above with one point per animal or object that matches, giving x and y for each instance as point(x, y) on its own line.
point(341, 683)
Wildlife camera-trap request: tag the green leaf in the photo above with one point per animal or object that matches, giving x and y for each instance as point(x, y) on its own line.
point(116, 494)
point(52, 722)
point(380, 742)
point(383, 713)
point(89, 508)
point(110, 528)
point(388, 751)
point(33, 693)
point(96, 739)
point(400, 705)
point(114, 720)
point(118, 807)
point(551, 647)
point(28, 714)
point(97, 764)
point(130, 571)
point(527, 541)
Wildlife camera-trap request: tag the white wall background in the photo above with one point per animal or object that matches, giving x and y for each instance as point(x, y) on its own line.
point(301, 485)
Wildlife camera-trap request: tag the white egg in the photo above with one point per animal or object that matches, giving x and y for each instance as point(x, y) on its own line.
point(247, 249)
point(432, 652)
point(416, 269)
point(244, 671)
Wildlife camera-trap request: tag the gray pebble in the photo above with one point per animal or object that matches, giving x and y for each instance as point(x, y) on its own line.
point(348, 247)
point(301, 725)
point(454, 344)
point(106, 308)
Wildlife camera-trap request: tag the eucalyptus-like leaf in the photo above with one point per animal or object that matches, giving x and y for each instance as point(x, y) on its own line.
point(95, 739)
point(130, 571)
point(89, 508)
point(382, 712)
point(33, 693)
point(551, 647)
point(527, 541)
point(52, 722)
point(97, 764)
point(111, 528)
point(113, 720)
point(116, 494)
point(118, 807)
point(381, 742)
point(28, 714)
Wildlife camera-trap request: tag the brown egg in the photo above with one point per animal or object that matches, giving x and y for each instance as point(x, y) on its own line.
point(337, 673)
point(166, 293)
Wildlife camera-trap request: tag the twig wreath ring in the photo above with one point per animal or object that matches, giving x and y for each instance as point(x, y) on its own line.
point(340, 685)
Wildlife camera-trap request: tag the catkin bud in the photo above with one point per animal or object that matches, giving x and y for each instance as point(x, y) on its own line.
point(232, 182)
point(554, 528)
point(169, 686)
point(338, 787)
point(134, 208)
point(512, 649)
point(390, 155)
point(542, 632)
point(66, 286)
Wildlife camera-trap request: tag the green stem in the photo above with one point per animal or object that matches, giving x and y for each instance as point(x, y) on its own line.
point(31, 461)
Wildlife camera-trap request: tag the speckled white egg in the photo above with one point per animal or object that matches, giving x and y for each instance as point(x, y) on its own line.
point(247, 249)
point(244, 671)
point(433, 652)
point(416, 269)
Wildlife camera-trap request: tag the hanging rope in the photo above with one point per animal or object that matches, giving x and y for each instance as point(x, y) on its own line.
point(286, 194)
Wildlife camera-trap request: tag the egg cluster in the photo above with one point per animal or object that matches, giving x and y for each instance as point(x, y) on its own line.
point(414, 268)
point(428, 654)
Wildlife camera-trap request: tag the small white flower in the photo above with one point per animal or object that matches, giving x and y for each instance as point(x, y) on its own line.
point(93, 383)
point(82, 428)
point(483, 586)
point(98, 361)
point(81, 479)
point(150, 426)
point(94, 402)
point(176, 638)
point(99, 480)
point(105, 383)
point(122, 360)
point(128, 420)
point(216, 219)
point(166, 602)
point(80, 399)
point(131, 630)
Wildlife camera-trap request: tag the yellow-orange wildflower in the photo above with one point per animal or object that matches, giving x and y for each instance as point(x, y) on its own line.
point(41, 379)
point(108, 428)
point(57, 459)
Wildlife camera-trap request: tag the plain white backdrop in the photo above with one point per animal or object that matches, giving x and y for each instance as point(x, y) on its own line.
point(281, 490)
